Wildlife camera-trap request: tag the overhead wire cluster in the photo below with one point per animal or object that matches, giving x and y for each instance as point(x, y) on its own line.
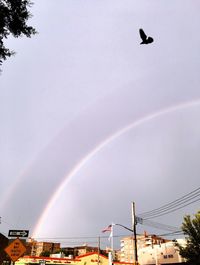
point(160, 226)
point(188, 199)
point(176, 233)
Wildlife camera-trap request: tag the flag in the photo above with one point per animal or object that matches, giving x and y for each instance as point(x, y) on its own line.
point(107, 229)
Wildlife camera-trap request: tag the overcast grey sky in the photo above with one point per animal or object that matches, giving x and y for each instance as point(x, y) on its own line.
point(91, 120)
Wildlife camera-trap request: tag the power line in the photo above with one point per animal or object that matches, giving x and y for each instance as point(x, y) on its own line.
point(178, 232)
point(154, 216)
point(182, 199)
point(173, 206)
point(75, 237)
point(79, 242)
point(159, 225)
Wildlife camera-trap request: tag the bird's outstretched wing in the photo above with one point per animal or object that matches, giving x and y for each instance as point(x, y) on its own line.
point(143, 35)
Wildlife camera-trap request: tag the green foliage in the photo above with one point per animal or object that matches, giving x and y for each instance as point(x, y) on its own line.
point(45, 253)
point(57, 251)
point(191, 228)
point(68, 252)
point(13, 18)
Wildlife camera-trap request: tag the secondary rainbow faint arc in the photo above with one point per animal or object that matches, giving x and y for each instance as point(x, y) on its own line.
point(101, 145)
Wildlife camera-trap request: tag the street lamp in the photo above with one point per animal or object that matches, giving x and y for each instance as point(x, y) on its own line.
point(125, 227)
point(134, 241)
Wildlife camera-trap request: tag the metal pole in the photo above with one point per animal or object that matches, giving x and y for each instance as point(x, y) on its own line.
point(112, 244)
point(111, 239)
point(98, 249)
point(134, 232)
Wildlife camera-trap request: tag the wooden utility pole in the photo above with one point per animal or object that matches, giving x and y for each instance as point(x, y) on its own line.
point(134, 232)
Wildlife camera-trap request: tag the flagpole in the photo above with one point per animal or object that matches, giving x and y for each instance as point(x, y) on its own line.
point(111, 246)
point(110, 253)
point(98, 249)
point(112, 243)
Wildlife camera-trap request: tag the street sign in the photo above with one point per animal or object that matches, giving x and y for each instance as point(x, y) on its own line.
point(15, 250)
point(18, 233)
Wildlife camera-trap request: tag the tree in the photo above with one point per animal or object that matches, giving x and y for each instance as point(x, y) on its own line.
point(191, 228)
point(45, 253)
point(13, 18)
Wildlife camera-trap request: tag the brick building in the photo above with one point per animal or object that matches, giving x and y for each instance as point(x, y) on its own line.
point(35, 248)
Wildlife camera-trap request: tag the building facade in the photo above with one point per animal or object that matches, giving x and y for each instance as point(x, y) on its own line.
point(144, 240)
point(35, 248)
point(79, 250)
point(151, 249)
point(164, 253)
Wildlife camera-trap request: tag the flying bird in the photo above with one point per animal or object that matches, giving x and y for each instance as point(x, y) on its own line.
point(145, 39)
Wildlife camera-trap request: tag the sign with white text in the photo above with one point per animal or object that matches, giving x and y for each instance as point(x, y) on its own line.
point(18, 233)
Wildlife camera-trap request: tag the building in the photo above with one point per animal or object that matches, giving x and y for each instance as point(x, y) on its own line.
point(34, 260)
point(35, 248)
point(164, 253)
point(68, 252)
point(92, 258)
point(151, 249)
point(79, 250)
point(82, 250)
point(96, 259)
point(144, 240)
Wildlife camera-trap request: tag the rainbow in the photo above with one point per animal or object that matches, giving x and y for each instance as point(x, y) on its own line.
point(100, 146)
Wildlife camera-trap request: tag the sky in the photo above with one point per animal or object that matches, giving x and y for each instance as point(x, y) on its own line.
point(91, 120)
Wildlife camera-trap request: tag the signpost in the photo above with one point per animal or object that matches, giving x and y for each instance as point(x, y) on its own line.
point(15, 250)
point(18, 233)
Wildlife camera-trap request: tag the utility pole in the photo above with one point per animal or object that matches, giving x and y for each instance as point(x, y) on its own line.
point(134, 232)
